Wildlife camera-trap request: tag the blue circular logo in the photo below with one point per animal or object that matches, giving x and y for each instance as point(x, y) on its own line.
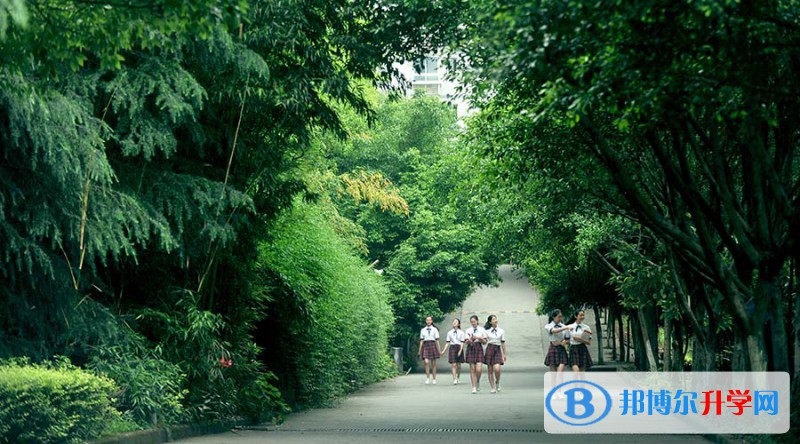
point(582, 406)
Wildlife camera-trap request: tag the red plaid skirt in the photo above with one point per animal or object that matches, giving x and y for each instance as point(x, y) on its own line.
point(453, 357)
point(474, 353)
point(579, 355)
point(430, 350)
point(494, 355)
point(556, 356)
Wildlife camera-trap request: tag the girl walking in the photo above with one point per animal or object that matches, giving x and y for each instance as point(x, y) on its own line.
point(455, 340)
point(580, 338)
point(557, 334)
point(429, 348)
point(496, 354)
point(476, 337)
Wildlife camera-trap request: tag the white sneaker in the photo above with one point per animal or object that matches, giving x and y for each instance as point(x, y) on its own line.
point(492, 391)
point(474, 391)
point(478, 387)
point(427, 381)
point(434, 382)
point(455, 382)
point(498, 387)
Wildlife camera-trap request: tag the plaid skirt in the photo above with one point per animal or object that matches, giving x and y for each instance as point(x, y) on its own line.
point(453, 356)
point(430, 350)
point(494, 355)
point(579, 355)
point(474, 353)
point(556, 356)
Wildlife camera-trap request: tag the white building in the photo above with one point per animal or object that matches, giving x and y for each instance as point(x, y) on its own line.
point(433, 80)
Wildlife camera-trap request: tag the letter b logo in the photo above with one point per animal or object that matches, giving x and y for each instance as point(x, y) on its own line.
point(579, 403)
point(584, 403)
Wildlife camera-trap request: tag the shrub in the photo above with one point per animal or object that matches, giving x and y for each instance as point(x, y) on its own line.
point(53, 403)
point(152, 390)
point(329, 321)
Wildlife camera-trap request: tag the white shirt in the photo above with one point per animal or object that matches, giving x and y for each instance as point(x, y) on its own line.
point(475, 333)
point(456, 337)
point(495, 336)
point(429, 333)
point(579, 328)
point(555, 337)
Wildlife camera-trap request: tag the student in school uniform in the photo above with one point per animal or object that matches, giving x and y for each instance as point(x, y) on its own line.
point(558, 335)
point(476, 337)
point(580, 339)
point(496, 354)
point(455, 341)
point(429, 348)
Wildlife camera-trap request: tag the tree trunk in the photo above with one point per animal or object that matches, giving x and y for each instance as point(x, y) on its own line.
point(667, 344)
point(635, 334)
point(779, 341)
point(704, 356)
point(756, 358)
point(628, 341)
point(650, 322)
point(647, 353)
point(598, 335)
point(676, 344)
point(612, 318)
point(751, 339)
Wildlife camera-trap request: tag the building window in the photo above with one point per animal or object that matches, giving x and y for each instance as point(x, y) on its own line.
point(431, 89)
point(430, 71)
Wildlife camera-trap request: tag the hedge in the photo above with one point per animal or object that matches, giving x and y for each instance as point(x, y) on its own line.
point(330, 317)
point(64, 404)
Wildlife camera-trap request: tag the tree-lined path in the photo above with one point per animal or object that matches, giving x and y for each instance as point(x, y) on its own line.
point(195, 198)
point(404, 410)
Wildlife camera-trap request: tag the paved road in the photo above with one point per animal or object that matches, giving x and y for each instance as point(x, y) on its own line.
point(404, 410)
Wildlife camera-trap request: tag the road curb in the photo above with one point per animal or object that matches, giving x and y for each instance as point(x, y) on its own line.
point(165, 434)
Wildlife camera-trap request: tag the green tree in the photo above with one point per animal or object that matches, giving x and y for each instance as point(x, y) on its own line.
point(697, 92)
point(146, 148)
point(433, 256)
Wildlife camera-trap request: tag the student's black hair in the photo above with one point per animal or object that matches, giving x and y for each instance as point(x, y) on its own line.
point(459, 323)
point(433, 324)
point(489, 322)
point(474, 317)
point(552, 315)
point(574, 317)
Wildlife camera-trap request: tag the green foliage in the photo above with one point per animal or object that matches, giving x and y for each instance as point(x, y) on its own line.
point(407, 133)
point(15, 11)
point(330, 317)
point(436, 268)
point(680, 112)
point(434, 257)
point(152, 388)
point(105, 34)
point(53, 403)
point(145, 149)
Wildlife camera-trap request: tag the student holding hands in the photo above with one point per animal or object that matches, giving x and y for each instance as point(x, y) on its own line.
point(476, 337)
point(580, 338)
point(496, 354)
point(455, 340)
point(557, 334)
